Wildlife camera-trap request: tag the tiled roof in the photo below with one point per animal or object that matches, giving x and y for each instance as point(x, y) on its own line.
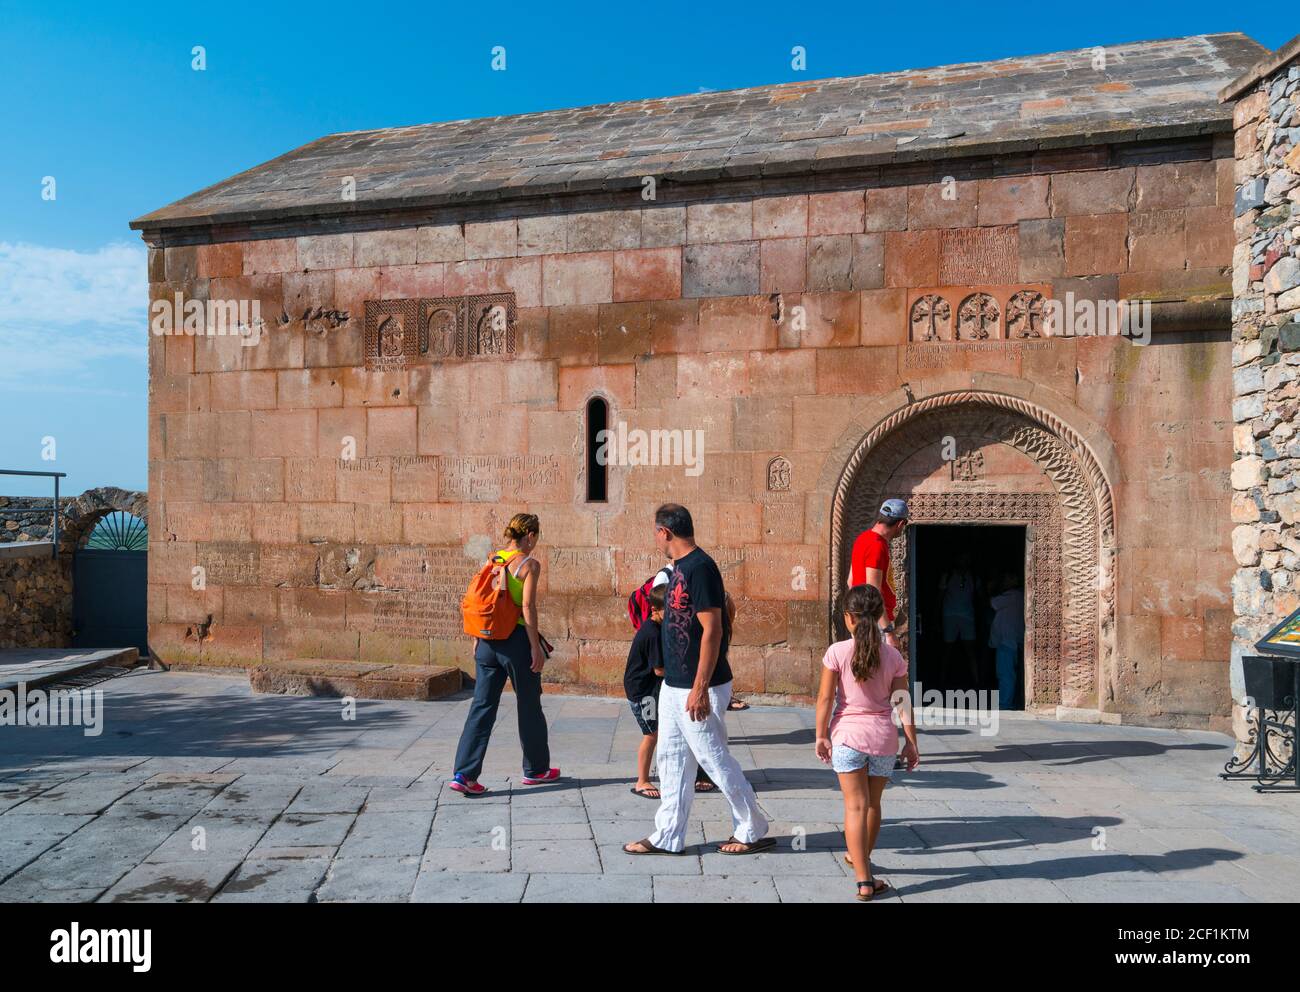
point(1146, 90)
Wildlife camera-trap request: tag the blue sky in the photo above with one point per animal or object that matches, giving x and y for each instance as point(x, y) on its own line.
point(105, 101)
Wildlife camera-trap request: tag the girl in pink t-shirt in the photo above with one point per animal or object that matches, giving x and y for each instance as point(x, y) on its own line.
point(864, 680)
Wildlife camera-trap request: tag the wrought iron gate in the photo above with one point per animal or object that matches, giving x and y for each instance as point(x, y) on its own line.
point(110, 585)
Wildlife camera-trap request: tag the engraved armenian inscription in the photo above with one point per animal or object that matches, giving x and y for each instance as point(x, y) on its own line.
point(420, 590)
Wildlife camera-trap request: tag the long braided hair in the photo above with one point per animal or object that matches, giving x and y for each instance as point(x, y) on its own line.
point(865, 605)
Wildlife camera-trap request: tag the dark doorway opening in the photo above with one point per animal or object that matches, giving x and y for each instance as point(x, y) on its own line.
point(956, 573)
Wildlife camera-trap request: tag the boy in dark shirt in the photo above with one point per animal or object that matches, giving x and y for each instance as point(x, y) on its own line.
point(641, 681)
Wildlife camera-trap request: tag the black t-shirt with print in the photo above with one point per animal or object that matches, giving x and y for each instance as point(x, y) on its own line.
point(696, 585)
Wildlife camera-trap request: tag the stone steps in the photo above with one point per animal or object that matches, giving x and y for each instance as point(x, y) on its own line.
point(35, 667)
point(375, 680)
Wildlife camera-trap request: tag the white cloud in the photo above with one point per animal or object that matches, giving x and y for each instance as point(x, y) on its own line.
point(64, 312)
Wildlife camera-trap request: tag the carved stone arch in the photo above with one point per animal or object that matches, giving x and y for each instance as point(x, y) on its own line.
point(1071, 608)
point(77, 517)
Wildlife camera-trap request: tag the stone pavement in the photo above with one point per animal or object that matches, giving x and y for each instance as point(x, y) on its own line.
point(197, 790)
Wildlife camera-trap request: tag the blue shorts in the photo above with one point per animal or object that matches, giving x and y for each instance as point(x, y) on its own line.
point(845, 759)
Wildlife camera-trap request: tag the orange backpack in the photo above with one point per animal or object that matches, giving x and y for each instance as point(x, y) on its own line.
point(489, 612)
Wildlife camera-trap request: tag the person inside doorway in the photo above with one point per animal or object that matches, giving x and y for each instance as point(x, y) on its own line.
point(959, 588)
point(1007, 638)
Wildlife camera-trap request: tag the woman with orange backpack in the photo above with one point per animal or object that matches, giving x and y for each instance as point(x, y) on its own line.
point(501, 614)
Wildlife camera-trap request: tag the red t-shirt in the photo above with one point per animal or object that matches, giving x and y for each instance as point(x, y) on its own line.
point(871, 550)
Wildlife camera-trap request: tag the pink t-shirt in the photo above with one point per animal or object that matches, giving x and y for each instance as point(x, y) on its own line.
point(863, 715)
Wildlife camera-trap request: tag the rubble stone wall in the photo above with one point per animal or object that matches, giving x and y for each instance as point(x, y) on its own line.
point(1266, 362)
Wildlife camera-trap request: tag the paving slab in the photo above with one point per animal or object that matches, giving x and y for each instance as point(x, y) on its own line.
point(279, 880)
point(440, 886)
point(551, 887)
point(192, 881)
point(715, 888)
point(388, 834)
point(385, 879)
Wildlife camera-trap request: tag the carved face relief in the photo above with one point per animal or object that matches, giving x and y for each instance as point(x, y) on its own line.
point(442, 332)
point(491, 331)
point(391, 337)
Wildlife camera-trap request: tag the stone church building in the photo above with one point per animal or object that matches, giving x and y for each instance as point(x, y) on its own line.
point(1002, 291)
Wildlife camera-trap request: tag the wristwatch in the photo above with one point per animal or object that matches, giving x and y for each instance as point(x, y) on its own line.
point(888, 628)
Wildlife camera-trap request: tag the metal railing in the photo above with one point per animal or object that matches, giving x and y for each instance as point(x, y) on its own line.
point(56, 476)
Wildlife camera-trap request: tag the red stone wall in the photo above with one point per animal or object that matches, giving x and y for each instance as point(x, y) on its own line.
point(672, 314)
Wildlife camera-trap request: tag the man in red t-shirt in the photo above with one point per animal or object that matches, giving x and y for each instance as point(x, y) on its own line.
point(870, 562)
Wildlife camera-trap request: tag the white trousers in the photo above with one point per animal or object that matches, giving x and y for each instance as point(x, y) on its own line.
point(682, 744)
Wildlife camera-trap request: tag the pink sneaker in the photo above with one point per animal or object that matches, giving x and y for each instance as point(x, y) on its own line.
point(550, 775)
point(459, 784)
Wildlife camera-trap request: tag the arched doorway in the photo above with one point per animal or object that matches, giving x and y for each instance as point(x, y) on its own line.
point(107, 538)
point(935, 452)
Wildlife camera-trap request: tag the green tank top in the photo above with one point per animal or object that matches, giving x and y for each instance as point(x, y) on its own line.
point(514, 584)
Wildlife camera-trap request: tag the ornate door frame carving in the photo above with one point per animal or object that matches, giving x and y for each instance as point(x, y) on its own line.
point(1070, 595)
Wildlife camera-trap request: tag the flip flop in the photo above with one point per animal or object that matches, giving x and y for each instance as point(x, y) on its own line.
point(644, 793)
point(703, 787)
point(650, 848)
point(762, 844)
point(737, 705)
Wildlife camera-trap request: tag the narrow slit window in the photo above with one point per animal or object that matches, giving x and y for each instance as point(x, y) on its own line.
point(597, 473)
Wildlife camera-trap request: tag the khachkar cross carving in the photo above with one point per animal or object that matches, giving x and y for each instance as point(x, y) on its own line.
point(968, 467)
point(1025, 315)
point(778, 475)
point(930, 310)
point(976, 315)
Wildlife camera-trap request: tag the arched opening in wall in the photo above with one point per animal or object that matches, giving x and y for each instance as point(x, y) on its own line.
point(110, 583)
point(1002, 491)
point(597, 448)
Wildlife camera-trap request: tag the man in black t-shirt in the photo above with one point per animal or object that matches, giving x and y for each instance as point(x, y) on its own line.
point(696, 632)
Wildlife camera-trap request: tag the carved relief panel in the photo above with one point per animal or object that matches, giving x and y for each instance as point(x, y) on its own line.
point(401, 333)
point(973, 314)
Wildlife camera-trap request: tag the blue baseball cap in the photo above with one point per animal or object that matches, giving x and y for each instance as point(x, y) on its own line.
point(894, 509)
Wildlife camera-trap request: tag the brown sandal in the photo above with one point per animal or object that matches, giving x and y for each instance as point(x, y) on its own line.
point(878, 885)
